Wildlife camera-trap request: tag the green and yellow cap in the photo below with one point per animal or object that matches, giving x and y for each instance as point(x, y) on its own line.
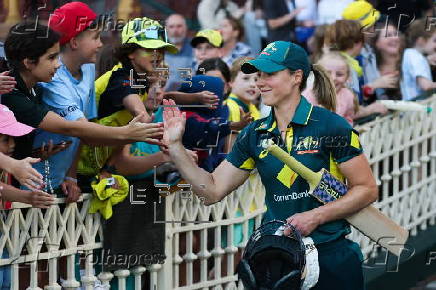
point(147, 33)
point(214, 37)
point(277, 56)
point(361, 11)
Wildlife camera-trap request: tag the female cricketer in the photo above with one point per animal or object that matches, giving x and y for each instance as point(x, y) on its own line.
point(316, 137)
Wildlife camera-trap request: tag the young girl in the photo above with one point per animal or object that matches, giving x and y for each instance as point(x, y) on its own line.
point(284, 68)
point(10, 128)
point(344, 102)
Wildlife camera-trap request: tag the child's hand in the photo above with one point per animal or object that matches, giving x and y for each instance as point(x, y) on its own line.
point(40, 199)
point(207, 98)
point(432, 59)
point(26, 175)
point(7, 83)
point(145, 132)
point(246, 119)
point(387, 81)
point(71, 190)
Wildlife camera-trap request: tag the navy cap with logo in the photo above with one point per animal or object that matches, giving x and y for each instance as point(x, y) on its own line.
point(277, 56)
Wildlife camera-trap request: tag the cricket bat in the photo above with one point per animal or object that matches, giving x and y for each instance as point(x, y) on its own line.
point(405, 106)
point(326, 188)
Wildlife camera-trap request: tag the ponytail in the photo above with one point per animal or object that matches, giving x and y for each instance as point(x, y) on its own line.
point(323, 88)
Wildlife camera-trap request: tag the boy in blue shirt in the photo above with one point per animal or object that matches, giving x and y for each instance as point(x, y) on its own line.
point(71, 93)
point(416, 73)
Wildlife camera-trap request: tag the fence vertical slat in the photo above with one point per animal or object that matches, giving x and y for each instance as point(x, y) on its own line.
point(121, 276)
point(138, 272)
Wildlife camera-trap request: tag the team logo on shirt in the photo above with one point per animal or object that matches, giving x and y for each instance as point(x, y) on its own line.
point(307, 145)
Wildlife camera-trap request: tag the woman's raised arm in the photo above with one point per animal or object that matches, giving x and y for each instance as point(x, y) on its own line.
point(211, 186)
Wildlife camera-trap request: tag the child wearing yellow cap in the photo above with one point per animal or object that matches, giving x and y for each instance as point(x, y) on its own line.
point(207, 44)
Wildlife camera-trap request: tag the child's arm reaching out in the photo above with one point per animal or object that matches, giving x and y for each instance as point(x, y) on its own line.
point(425, 83)
point(35, 198)
point(22, 170)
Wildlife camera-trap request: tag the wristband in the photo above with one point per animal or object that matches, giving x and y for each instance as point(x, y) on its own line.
point(368, 91)
point(70, 179)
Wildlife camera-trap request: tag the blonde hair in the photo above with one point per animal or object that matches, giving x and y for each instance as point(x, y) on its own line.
point(236, 66)
point(323, 88)
point(334, 55)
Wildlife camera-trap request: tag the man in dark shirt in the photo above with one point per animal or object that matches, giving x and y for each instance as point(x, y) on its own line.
point(280, 17)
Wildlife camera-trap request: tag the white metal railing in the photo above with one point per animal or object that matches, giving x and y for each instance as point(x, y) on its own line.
point(32, 235)
point(401, 149)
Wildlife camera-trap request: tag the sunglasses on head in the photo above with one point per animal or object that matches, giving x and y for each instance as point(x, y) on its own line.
point(150, 33)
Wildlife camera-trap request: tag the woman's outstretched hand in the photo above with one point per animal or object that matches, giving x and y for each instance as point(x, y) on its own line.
point(174, 123)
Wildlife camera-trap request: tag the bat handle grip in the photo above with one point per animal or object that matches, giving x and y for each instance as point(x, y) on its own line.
point(306, 173)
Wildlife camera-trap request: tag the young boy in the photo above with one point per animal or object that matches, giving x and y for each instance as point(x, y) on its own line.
point(416, 73)
point(244, 92)
point(206, 44)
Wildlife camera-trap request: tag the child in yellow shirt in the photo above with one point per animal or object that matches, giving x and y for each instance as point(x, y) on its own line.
point(244, 92)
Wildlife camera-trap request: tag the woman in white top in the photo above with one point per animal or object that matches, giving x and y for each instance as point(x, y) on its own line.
point(211, 12)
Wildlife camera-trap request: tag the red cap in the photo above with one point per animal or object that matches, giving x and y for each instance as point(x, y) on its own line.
point(71, 19)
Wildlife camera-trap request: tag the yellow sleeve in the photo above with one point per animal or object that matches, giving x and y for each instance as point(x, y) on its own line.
point(234, 114)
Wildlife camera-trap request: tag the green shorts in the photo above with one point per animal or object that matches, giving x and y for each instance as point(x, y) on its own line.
point(340, 264)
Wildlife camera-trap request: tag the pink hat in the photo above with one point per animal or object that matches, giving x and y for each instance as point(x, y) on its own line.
point(9, 125)
point(71, 19)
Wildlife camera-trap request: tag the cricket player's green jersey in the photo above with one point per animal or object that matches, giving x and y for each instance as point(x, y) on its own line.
point(318, 139)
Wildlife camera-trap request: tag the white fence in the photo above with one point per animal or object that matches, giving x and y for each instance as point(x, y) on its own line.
point(401, 149)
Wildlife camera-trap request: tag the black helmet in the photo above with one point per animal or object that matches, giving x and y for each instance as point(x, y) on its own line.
point(271, 260)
